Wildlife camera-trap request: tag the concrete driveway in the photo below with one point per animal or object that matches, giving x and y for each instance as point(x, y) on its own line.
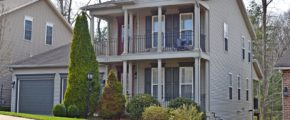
point(6, 117)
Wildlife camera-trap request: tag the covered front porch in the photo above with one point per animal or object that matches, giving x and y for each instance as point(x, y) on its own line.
point(166, 79)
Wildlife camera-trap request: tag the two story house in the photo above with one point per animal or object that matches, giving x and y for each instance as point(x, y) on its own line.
point(198, 49)
point(28, 28)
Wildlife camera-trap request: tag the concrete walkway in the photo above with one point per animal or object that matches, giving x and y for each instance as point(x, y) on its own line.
point(6, 117)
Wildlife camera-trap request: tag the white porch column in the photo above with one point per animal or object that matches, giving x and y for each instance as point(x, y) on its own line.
point(130, 79)
point(197, 80)
point(197, 26)
point(124, 82)
point(92, 29)
point(130, 32)
point(206, 31)
point(125, 32)
point(159, 43)
point(207, 87)
point(159, 79)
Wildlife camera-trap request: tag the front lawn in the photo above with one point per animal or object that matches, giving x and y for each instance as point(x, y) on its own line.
point(37, 117)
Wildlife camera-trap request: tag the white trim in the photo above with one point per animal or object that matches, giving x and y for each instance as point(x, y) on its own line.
point(152, 31)
point(226, 36)
point(163, 82)
point(48, 24)
point(190, 83)
point(27, 18)
point(180, 26)
point(282, 68)
point(230, 75)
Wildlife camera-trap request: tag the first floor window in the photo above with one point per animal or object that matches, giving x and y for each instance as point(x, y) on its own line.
point(239, 87)
point(155, 82)
point(247, 89)
point(230, 77)
point(186, 82)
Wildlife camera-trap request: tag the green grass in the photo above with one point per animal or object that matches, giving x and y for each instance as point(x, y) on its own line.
point(37, 117)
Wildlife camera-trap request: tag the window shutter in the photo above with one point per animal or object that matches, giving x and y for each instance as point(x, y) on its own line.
point(148, 81)
point(148, 31)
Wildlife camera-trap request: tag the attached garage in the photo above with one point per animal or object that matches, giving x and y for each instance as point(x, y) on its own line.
point(35, 93)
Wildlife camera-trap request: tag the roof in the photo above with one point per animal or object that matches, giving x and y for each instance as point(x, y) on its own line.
point(284, 61)
point(15, 5)
point(118, 3)
point(257, 69)
point(58, 57)
point(108, 4)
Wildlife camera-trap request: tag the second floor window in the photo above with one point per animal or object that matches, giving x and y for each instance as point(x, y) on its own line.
point(48, 35)
point(155, 30)
point(249, 52)
point(186, 27)
point(28, 28)
point(226, 36)
point(243, 48)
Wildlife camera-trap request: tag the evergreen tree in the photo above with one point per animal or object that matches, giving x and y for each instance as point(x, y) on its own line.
point(112, 102)
point(82, 61)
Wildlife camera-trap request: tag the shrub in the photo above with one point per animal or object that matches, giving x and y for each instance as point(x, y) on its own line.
point(186, 113)
point(82, 61)
point(73, 111)
point(5, 109)
point(112, 102)
point(59, 110)
point(138, 103)
point(155, 113)
point(179, 102)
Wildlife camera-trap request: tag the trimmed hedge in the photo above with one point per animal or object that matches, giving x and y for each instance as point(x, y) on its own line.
point(179, 102)
point(59, 110)
point(186, 113)
point(73, 111)
point(112, 102)
point(155, 113)
point(138, 103)
point(82, 61)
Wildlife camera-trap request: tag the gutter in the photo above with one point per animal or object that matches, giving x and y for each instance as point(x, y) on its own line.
point(37, 66)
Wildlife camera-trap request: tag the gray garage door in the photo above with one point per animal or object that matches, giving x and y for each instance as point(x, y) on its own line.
point(36, 96)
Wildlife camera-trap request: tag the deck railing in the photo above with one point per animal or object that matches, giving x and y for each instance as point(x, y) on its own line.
point(177, 41)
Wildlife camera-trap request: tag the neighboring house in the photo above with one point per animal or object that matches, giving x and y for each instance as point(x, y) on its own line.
point(165, 48)
point(283, 64)
point(28, 28)
point(181, 48)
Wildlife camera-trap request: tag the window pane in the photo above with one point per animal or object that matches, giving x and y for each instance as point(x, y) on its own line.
point(49, 35)
point(186, 22)
point(155, 76)
point(186, 91)
point(230, 93)
point(28, 30)
point(186, 36)
point(186, 75)
point(231, 79)
point(155, 39)
point(155, 91)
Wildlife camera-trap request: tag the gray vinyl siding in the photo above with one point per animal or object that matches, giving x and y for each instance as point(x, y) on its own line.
point(221, 62)
point(16, 48)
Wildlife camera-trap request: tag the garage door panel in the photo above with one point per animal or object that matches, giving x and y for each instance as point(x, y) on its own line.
point(36, 96)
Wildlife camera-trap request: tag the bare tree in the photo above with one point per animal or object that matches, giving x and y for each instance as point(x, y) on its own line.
point(65, 7)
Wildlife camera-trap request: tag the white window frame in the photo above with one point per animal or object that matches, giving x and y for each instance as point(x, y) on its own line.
point(180, 25)
point(181, 84)
point(28, 18)
point(226, 36)
point(239, 86)
point(163, 30)
point(249, 50)
point(247, 89)
point(48, 25)
point(162, 82)
point(230, 75)
point(244, 47)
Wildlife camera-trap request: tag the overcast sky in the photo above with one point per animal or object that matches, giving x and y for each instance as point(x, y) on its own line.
point(278, 6)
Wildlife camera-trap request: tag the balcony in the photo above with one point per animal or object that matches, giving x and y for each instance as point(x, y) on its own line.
point(171, 42)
